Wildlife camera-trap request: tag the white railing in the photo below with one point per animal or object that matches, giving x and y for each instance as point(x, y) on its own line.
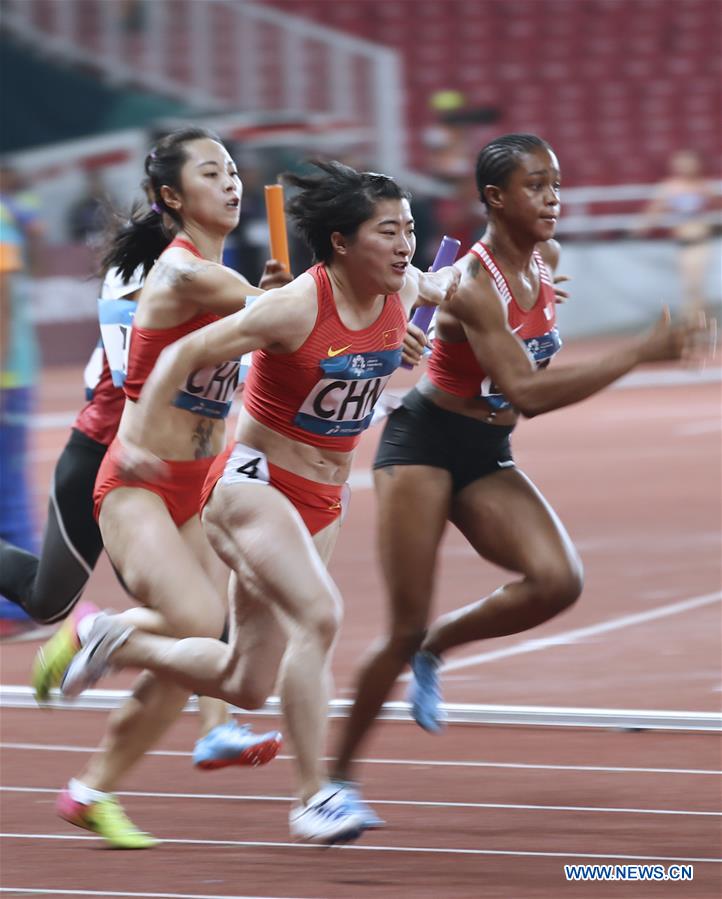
point(58, 171)
point(362, 81)
point(360, 110)
point(579, 218)
point(616, 284)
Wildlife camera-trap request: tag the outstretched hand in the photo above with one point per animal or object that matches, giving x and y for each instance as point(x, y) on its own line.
point(560, 296)
point(439, 287)
point(692, 340)
point(274, 275)
point(138, 464)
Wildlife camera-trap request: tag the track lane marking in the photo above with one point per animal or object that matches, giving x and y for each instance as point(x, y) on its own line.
point(564, 638)
point(652, 378)
point(361, 847)
point(30, 891)
point(414, 803)
point(434, 763)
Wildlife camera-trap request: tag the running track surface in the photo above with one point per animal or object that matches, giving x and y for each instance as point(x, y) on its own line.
point(480, 811)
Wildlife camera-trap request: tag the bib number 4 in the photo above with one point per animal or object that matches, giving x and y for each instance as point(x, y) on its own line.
point(246, 464)
point(250, 469)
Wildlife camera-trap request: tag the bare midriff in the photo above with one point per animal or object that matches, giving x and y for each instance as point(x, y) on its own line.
point(312, 462)
point(471, 406)
point(179, 435)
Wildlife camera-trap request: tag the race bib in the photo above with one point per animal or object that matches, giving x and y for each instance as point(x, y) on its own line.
point(209, 391)
point(342, 402)
point(246, 465)
point(116, 322)
point(540, 350)
point(389, 402)
point(93, 370)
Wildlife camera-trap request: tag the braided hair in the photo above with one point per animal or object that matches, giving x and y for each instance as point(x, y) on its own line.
point(498, 159)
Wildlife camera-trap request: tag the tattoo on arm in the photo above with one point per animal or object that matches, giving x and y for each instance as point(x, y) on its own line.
point(474, 267)
point(164, 274)
point(202, 439)
point(170, 275)
point(190, 271)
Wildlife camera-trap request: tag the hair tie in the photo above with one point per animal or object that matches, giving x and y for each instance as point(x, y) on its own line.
point(156, 208)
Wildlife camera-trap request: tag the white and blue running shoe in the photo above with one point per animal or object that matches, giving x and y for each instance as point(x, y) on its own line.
point(424, 693)
point(93, 658)
point(329, 816)
point(371, 819)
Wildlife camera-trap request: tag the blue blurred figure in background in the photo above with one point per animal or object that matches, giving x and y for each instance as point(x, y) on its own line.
point(21, 232)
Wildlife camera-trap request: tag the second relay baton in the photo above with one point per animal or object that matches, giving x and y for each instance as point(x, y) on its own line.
point(445, 255)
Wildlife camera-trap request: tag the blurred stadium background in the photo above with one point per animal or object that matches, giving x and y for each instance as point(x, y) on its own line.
point(412, 88)
point(409, 87)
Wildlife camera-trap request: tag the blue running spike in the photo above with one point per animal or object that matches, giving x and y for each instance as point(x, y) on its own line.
point(424, 693)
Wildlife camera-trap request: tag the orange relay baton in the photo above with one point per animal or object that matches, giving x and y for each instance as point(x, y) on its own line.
point(277, 224)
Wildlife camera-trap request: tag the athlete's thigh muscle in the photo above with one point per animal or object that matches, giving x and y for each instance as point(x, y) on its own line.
point(160, 570)
point(259, 534)
point(413, 507)
point(508, 521)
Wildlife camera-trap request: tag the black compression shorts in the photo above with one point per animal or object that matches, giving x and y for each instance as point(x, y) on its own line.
point(421, 433)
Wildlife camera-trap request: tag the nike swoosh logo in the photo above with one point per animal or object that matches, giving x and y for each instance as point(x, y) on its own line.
point(332, 352)
point(518, 328)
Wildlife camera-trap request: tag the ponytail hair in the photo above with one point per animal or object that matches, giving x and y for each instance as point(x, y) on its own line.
point(141, 239)
point(138, 241)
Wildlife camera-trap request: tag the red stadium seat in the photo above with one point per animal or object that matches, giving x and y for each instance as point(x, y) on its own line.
point(643, 75)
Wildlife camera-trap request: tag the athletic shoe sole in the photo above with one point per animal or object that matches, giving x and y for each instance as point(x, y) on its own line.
point(334, 839)
point(254, 756)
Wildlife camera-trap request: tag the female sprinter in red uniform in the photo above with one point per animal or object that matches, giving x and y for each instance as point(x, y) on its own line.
point(445, 453)
point(154, 536)
point(49, 586)
point(326, 345)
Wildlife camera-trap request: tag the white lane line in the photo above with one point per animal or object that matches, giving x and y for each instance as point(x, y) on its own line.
point(47, 421)
point(564, 638)
point(700, 427)
point(46, 455)
point(394, 802)
point(668, 377)
point(27, 891)
point(43, 421)
point(362, 847)
point(433, 763)
point(414, 803)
